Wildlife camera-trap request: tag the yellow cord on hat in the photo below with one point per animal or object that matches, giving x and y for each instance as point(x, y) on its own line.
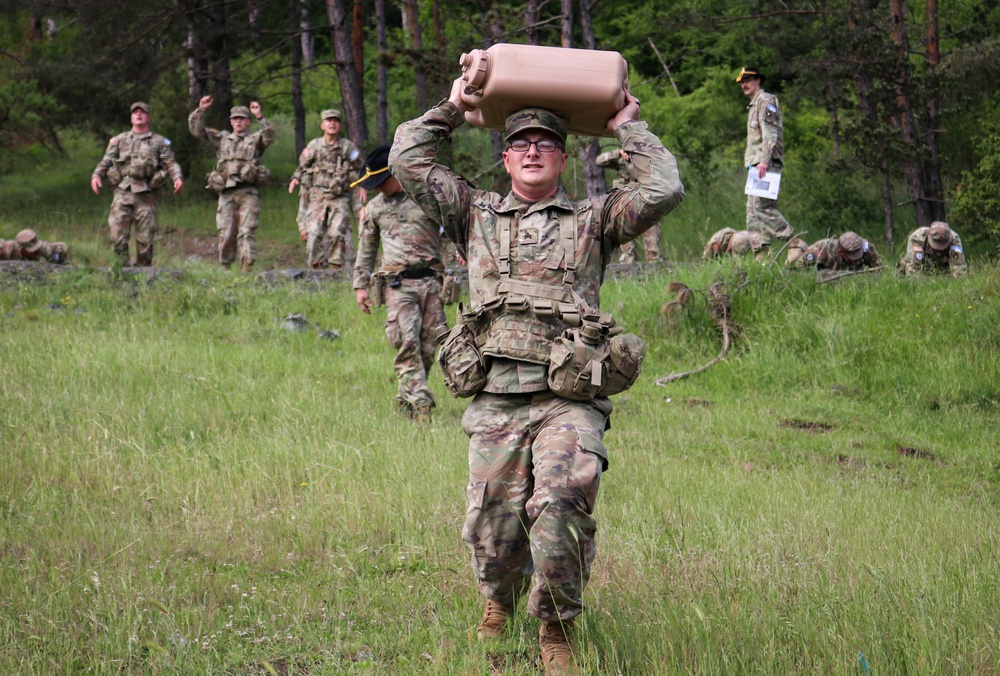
point(368, 174)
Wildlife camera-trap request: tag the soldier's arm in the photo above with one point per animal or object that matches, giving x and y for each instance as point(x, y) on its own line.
point(770, 127)
point(167, 160)
point(368, 241)
point(306, 158)
point(196, 125)
point(443, 197)
point(956, 258)
point(265, 135)
point(101, 171)
point(874, 260)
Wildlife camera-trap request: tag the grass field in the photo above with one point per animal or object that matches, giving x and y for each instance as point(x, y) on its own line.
point(189, 488)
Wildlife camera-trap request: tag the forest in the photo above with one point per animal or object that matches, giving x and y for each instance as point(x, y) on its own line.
point(891, 108)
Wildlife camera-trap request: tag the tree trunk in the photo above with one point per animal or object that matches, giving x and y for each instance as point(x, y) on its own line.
point(219, 57)
point(593, 175)
point(382, 80)
point(358, 39)
point(308, 43)
point(197, 70)
point(935, 190)
point(351, 88)
point(297, 106)
point(566, 26)
point(412, 20)
point(531, 14)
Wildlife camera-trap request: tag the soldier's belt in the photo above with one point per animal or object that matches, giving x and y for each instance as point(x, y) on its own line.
point(417, 273)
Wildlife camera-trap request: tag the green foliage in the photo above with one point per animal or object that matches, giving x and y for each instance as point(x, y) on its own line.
point(977, 203)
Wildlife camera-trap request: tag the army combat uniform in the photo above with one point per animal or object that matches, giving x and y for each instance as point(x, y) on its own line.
point(535, 458)
point(27, 247)
point(719, 244)
point(136, 165)
point(625, 177)
point(765, 143)
point(925, 254)
point(410, 275)
point(832, 254)
point(237, 174)
point(325, 172)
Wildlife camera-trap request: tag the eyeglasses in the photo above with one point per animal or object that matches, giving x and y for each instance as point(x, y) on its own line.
point(543, 146)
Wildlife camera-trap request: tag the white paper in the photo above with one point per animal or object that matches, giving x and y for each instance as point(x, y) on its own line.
point(763, 187)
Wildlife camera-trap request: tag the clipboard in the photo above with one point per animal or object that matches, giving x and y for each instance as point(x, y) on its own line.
point(763, 187)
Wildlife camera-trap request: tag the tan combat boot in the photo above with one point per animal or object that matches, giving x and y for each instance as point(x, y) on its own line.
point(557, 649)
point(494, 620)
point(246, 266)
point(422, 412)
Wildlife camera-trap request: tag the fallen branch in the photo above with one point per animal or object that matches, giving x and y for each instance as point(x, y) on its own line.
point(680, 376)
point(719, 308)
point(848, 273)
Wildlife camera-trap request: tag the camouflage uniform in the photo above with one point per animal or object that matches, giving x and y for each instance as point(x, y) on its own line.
point(236, 176)
point(411, 255)
point(325, 172)
point(624, 178)
point(921, 257)
point(137, 165)
point(828, 254)
point(765, 143)
point(719, 244)
point(27, 247)
point(535, 459)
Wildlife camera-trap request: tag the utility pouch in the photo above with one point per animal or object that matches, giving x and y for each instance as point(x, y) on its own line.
point(588, 362)
point(247, 173)
point(114, 176)
point(215, 181)
point(451, 289)
point(461, 362)
point(376, 290)
point(263, 175)
point(159, 179)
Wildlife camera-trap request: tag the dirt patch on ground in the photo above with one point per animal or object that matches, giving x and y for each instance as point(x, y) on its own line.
point(807, 426)
point(909, 452)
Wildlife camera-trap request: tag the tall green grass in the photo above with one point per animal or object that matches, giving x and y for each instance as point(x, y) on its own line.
point(189, 488)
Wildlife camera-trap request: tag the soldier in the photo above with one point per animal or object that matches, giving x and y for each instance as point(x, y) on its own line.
point(326, 168)
point(719, 244)
point(936, 248)
point(765, 151)
point(236, 177)
point(848, 252)
point(27, 247)
point(536, 262)
point(620, 162)
point(409, 281)
point(137, 163)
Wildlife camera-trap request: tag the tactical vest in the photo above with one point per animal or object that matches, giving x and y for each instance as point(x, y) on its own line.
point(238, 159)
point(520, 319)
point(138, 159)
point(330, 170)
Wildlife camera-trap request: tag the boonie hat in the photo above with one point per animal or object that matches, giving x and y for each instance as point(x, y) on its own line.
point(939, 235)
point(536, 118)
point(328, 113)
point(748, 72)
point(852, 245)
point(139, 104)
point(28, 240)
point(376, 169)
point(240, 111)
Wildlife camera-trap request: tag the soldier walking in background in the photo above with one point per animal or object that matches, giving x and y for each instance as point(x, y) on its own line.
point(536, 262)
point(936, 248)
point(619, 161)
point(765, 151)
point(409, 281)
point(327, 166)
point(27, 247)
point(850, 251)
point(137, 163)
point(236, 177)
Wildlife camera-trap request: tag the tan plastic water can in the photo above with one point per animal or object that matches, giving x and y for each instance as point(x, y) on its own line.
point(586, 86)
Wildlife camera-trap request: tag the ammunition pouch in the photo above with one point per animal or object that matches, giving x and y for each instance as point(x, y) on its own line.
point(376, 290)
point(215, 181)
point(461, 361)
point(263, 175)
point(596, 360)
point(247, 173)
point(159, 179)
point(114, 176)
point(451, 289)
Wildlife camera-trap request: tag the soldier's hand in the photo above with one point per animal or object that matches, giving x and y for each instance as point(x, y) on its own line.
point(205, 103)
point(293, 185)
point(628, 113)
point(255, 109)
point(95, 185)
point(178, 185)
point(761, 169)
point(303, 235)
point(362, 195)
point(456, 96)
point(364, 302)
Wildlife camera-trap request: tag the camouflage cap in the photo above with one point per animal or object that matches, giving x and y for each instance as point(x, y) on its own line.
point(239, 111)
point(330, 112)
point(749, 72)
point(536, 118)
point(28, 240)
point(141, 105)
point(939, 235)
point(376, 169)
point(852, 245)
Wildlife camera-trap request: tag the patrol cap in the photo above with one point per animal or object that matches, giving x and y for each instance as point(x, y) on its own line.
point(748, 72)
point(376, 169)
point(852, 245)
point(28, 240)
point(330, 112)
point(140, 105)
point(536, 118)
point(240, 111)
point(939, 235)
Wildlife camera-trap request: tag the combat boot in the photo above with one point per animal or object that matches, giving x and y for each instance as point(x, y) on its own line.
point(557, 649)
point(246, 266)
point(494, 620)
point(422, 412)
